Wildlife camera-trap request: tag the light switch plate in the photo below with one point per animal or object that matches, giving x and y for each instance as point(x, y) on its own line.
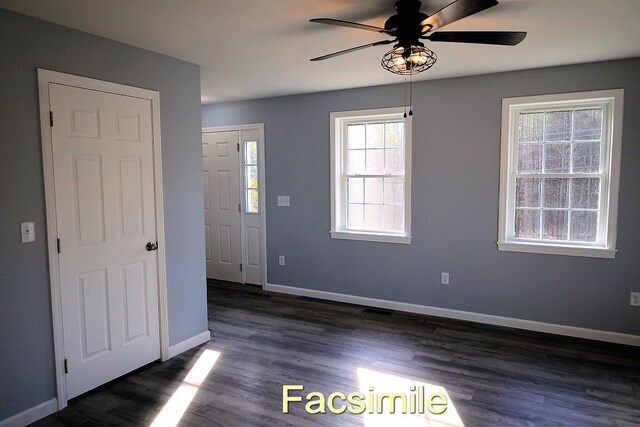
point(283, 201)
point(28, 232)
point(444, 278)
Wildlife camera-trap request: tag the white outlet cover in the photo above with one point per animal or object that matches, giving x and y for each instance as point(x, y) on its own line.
point(635, 298)
point(281, 260)
point(28, 232)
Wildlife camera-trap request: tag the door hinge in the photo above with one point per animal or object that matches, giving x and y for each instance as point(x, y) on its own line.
point(58, 242)
point(239, 207)
point(240, 267)
point(238, 146)
point(50, 118)
point(66, 366)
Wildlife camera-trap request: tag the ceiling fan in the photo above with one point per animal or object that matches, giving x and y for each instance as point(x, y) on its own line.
point(409, 26)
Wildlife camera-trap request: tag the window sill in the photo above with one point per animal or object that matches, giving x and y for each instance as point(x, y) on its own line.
point(370, 237)
point(536, 248)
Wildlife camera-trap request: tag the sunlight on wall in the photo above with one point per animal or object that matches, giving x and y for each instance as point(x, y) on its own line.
point(382, 382)
point(174, 409)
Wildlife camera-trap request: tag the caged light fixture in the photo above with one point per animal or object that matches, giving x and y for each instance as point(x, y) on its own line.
point(408, 61)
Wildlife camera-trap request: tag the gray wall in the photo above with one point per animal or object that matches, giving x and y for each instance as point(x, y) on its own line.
point(26, 343)
point(456, 169)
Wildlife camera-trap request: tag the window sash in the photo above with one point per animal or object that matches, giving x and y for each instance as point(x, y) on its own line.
point(346, 203)
point(345, 176)
point(248, 189)
point(602, 175)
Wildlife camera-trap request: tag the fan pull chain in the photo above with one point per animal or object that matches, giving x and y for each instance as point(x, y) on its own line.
point(411, 95)
point(404, 86)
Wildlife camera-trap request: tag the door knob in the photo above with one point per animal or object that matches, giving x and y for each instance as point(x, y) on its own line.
point(151, 246)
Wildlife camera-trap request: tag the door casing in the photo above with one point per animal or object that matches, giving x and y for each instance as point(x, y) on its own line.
point(261, 192)
point(45, 77)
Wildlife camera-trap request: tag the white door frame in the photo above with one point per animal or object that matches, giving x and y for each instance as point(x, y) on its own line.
point(261, 190)
point(44, 78)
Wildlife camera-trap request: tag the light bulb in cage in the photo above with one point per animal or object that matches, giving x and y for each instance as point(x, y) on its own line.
point(407, 61)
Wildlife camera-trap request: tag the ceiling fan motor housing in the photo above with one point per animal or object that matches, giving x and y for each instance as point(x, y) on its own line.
point(406, 24)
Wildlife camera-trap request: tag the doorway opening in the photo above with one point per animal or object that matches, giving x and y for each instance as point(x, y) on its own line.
point(234, 203)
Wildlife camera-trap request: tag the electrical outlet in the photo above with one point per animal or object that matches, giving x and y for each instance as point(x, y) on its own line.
point(444, 278)
point(28, 232)
point(281, 259)
point(635, 298)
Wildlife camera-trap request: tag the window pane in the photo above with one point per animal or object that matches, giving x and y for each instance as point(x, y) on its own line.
point(558, 126)
point(557, 158)
point(528, 192)
point(531, 127)
point(587, 125)
point(355, 162)
point(356, 190)
point(252, 176)
point(529, 156)
point(355, 136)
point(585, 193)
point(586, 157)
point(584, 226)
point(556, 225)
point(355, 217)
point(556, 193)
point(393, 190)
point(393, 135)
point(251, 153)
point(375, 135)
point(375, 162)
point(394, 161)
point(393, 218)
point(527, 223)
point(373, 190)
point(373, 217)
point(252, 201)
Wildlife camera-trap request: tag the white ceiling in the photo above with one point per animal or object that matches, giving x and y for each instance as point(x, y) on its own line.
point(260, 48)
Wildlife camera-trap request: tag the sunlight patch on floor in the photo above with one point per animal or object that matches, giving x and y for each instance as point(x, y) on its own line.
point(383, 382)
point(174, 409)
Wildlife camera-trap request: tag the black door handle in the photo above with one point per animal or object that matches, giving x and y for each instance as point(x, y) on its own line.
point(151, 246)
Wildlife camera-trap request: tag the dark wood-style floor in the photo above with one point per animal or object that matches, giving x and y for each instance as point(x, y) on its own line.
point(494, 376)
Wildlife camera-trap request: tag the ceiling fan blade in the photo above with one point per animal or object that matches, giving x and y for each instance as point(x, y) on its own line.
point(350, 24)
point(454, 11)
point(506, 38)
point(353, 49)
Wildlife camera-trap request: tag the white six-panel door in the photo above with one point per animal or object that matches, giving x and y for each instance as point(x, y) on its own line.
point(222, 206)
point(105, 207)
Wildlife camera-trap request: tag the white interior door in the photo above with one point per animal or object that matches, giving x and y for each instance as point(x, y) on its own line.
point(221, 179)
point(105, 210)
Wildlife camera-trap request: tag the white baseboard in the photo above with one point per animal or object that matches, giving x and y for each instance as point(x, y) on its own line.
point(31, 415)
point(510, 322)
point(188, 344)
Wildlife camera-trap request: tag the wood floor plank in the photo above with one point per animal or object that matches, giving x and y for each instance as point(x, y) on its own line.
point(494, 376)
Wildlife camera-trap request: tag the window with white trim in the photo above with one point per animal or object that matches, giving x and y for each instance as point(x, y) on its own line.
point(559, 173)
point(371, 175)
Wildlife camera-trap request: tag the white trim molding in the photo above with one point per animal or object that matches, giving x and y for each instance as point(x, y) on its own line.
point(46, 77)
point(488, 319)
point(611, 103)
point(188, 344)
point(31, 415)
